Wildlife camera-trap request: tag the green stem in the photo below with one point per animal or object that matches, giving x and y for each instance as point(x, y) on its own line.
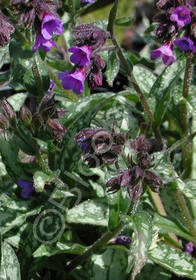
point(95, 247)
point(137, 89)
point(72, 11)
point(185, 212)
point(187, 149)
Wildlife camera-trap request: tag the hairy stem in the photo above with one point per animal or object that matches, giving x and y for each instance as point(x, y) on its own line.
point(137, 89)
point(72, 11)
point(187, 149)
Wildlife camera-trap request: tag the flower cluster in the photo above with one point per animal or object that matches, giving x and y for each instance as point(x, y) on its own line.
point(176, 28)
point(139, 173)
point(88, 39)
point(5, 31)
point(100, 145)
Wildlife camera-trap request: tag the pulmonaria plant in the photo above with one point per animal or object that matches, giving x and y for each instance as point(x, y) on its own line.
point(139, 174)
point(88, 39)
point(176, 26)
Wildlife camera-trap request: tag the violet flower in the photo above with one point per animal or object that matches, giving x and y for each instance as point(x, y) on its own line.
point(181, 16)
point(43, 43)
point(185, 44)
point(123, 239)
point(85, 2)
point(165, 52)
point(189, 247)
point(27, 188)
point(81, 55)
point(74, 81)
point(50, 25)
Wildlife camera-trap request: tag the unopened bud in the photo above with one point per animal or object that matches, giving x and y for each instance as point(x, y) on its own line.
point(37, 121)
point(56, 129)
point(8, 112)
point(4, 124)
point(25, 116)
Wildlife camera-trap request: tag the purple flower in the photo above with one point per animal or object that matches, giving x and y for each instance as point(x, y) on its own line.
point(189, 247)
point(74, 81)
point(27, 188)
point(50, 25)
point(123, 239)
point(165, 52)
point(85, 2)
point(43, 43)
point(51, 86)
point(184, 44)
point(181, 16)
point(81, 55)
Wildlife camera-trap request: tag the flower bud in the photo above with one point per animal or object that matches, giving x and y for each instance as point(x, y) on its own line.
point(4, 124)
point(37, 121)
point(25, 116)
point(56, 129)
point(8, 112)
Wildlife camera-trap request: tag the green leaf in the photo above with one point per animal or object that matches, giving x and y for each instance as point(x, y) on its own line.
point(39, 180)
point(10, 267)
point(81, 113)
point(9, 152)
point(59, 248)
point(162, 87)
point(14, 213)
point(142, 241)
point(170, 225)
point(111, 265)
point(111, 19)
point(113, 66)
point(92, 212)
point(124, 21)
point(144, 77)
point(37, 79)
point(114, 201)
point(17, 100)
point(174, 260)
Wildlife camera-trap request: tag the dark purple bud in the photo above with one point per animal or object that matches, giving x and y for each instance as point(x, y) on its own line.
point(144, 161)
point(47, 108)
point(4, 124)
point(153, 181)
point(27, 188)
point(37, 121)
point(56, 129)
point(119, 138)
point(156, 146)
point(89, 35)
point(94, 71)
point(140, 144)
point(25, 116)
point(61, 113)
point(114, 184)
point(5, 31)
point(135, 191)
point(8, 112)
point(189, 247)
point(123, 239)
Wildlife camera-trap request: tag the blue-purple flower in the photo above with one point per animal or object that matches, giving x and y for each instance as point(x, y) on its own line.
point(74, 81)
point(185, 44)
point(81, 55)
point(181, 16)
point(123, 239)
point(27, 188)
point(43, 43)
point(189, 247)
point(50, 25)
point(165, 52)
point(85, 2)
